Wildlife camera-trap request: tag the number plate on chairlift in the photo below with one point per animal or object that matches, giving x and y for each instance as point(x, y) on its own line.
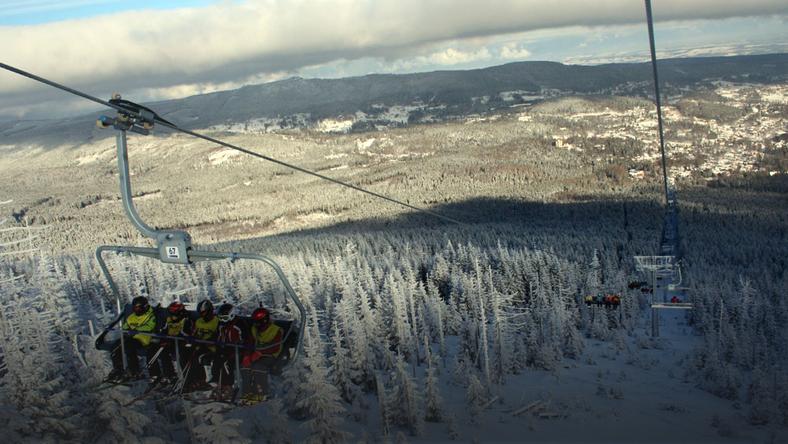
point(173, 253)
point(174, 248)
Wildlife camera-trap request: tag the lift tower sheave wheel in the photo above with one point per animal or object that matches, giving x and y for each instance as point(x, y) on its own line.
point(172, 246)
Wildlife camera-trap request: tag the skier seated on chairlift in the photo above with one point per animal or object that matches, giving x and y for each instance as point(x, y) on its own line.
point(177, 324)
point(206, 328)
point(142, 319)
point(612, 301)
point(230, 331)
point(259, 359)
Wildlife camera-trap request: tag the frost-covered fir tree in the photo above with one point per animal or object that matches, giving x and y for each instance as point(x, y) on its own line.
point(111, 422)
point(503, 327)
point(294, 389)
point(476, 395)
point(38, 381)
point(215, 427)
point(404, 400)
point(480, 294)
point(396, 316)
point(433, 403)
point(366, 351)
point(273, 426)
point(321, 405)
point(341, 372)
point(54, 303)
point(570, 300)
point(434, 314)
point(593, 284)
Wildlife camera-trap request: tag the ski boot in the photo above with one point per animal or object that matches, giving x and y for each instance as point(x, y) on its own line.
point(252, 398)
point(114, 377)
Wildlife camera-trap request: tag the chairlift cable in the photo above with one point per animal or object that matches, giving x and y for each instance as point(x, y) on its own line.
point(59, 86)
point(174, 127)
point(310, 172)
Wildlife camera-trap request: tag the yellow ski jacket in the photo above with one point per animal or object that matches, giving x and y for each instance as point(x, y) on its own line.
point(145, 322)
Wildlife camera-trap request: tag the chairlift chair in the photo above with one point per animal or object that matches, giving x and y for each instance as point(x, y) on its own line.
point(175, 246)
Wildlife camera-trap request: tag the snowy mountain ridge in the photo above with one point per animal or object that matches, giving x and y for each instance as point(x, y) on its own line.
point(377, 101)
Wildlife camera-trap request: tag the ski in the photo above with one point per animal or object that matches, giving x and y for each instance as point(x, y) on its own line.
point(155, 387)
point(105, 384)
point(148, 391)
point(205, 401)
point(252, 401)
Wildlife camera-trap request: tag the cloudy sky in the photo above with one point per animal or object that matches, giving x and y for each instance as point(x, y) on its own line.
point(151, 50)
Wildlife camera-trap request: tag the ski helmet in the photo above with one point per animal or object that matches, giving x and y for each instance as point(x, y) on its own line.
point(176, 309)
point(139, 305)
point(226, 312)
point(205, 309)
point(261, 316)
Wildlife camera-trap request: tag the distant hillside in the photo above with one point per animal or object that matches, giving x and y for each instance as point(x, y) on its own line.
point(373, 101)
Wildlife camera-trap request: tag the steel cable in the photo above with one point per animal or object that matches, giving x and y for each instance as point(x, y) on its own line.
point(174, 127)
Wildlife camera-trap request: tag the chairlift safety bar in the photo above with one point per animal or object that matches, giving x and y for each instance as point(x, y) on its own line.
point(205, 341)
point(674, 305)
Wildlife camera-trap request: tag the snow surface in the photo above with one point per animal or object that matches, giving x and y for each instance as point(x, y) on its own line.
point(631, 392)
point(224, 155)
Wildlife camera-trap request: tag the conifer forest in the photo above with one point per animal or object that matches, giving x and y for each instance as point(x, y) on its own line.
point(417, 329)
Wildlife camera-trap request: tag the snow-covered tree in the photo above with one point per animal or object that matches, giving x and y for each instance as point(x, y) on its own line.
point(36, 380)
point(273, 425)
point(476, 395)
point(215, 427)
point(404, 399)
point(341, 372)
point(433, 403)
point(321, 405)
point(110, 421)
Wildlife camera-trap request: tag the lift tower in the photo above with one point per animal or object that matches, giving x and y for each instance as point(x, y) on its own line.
point(664, 268)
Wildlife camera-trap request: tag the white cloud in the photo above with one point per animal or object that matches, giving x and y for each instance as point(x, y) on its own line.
point(229, 42)
point(514, 51)
point(445, 57)
point(190, 89)
point(453, 56)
